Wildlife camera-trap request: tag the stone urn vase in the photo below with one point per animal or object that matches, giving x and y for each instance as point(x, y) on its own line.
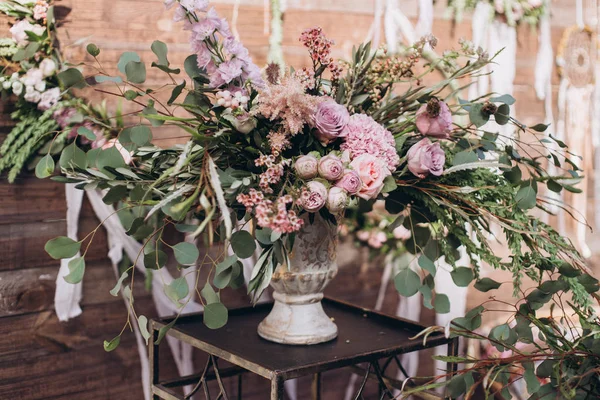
point(297, 316)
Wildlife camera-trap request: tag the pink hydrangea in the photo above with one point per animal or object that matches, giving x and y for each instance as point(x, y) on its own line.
point(363, 135)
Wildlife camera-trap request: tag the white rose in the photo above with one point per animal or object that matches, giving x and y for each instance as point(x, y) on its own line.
point(33, 77)
point(18, 31)
point(17, 88)
point(48, 66)
point(6, 85)
point(33, 96)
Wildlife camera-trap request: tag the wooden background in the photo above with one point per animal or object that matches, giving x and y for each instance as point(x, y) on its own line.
point(41, 358)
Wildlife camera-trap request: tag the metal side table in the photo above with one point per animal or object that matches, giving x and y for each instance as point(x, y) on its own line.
point(365, 337)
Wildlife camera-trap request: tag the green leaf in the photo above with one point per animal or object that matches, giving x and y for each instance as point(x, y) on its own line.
point(155, 259)
point(87, 133)
point(186, 253)
point(131, 94)
point(540, 127)
point(457, 386)
point(589, 283)
point(162, 332)
point(143, 324)
point(73, 156)
point(532, 382)
point(176, 92)
point(215, 315)
point(62, 247)
point(103, 78)
point(427, 264)
point(389, 184)
point(71, 77)
point(407, 282)
point(113, 344)
point(263, 236)
point(115, 291)
point(140, 135)
point(502, 116)
point(462, 276)
point(243, 244)
point(93, 50)
point(500, 332)
point(513, 175)
point(505, 98)
point(554, 186)
point(477, 116)
point(568, 270)
point(191, 66)
point(135, 72)
point(441, 303)
point(160, 49)
point(464, 157)
point(115, 194)
point(526, 197)
point(126, 58)
point(76, 270)
point(486, 284)
point(177, 289)
point(110, 157)
point(150, 111)
point(209, 294)
point(44, 167)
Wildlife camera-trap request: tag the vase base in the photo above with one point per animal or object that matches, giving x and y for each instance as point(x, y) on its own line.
point(297, 323)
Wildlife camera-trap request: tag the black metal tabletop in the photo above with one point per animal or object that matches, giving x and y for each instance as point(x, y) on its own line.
point(364, 335)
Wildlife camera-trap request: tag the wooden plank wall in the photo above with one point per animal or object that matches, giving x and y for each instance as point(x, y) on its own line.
point(42, 358)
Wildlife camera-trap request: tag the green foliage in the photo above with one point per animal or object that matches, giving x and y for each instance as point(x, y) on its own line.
point(243, 244)
point(76, 270)
point(62, 247)
point(186, 253)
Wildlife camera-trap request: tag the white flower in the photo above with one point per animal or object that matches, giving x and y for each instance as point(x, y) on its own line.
point(32, 77)
point(40, 86)
point(6, 85)
point(18, 31)
point(48, 66)
point(33, 96)
point(14, 76)
point(17, 88)
point(49, 98)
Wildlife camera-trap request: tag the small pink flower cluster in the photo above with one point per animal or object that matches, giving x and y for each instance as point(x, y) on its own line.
point(273, 173)
point(40, 11)
point(318, 45)
point(363, 135)
point(271, 215)
point(224, 58)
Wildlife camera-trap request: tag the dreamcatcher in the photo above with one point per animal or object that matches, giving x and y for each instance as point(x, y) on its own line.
point(576, 62)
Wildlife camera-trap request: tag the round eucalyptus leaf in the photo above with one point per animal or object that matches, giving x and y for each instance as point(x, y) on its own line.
point(215, 315)
point(62, 247)
point(243, 244)
point(407, 282)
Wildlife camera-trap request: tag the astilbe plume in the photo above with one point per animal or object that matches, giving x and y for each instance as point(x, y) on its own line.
point(288, 102)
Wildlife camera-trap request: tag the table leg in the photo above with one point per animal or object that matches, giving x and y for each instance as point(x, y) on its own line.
point(153, 361)
point(277, 387)
point(316, 386)
point(451, 367)
point(240, 386)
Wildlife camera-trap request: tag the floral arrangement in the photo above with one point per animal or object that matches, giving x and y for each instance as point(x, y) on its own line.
point(513, 12)
point(46, 116)
point(270, 150)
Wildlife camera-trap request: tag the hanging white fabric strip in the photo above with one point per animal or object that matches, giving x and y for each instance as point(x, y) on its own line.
point(425, 21)
point(480, 26)
point(67, 296)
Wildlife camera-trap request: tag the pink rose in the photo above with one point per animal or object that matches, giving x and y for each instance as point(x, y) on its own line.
point(434, 119)
point(372, 171)
point(331, 167)
point(306, 167)
point(337, 199)
point(350, 182)
point(377, 239)
point(314, 198)
point(401, 233)
point(330, 120)
point(426, 158)
point(115, 143)
point(363, 235)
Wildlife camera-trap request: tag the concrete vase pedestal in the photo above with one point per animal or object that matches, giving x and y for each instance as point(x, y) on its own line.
point(297, 316)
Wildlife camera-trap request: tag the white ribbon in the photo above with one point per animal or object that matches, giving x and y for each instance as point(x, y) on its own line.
point(67, 295)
